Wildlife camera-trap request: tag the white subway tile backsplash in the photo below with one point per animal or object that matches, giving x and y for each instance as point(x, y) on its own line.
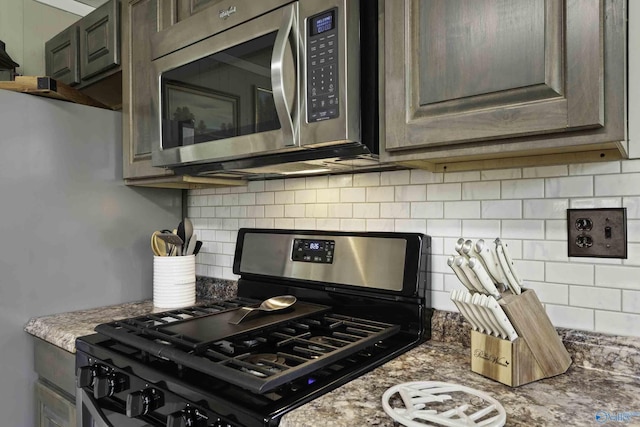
point(573, 186)
point(610, 322)
point(462, 176)
point(380, 194)
point(522, 189)
point(366, 210)
point(402, 177)
point(371, 179)
point(525, 207)
point(285, 197)
point(599, 298)
point(274, 185)
point(444, 227)
point(598, 168)
point(485, 228)
point(569, 273)
point(380, 225)
point(305, 196)
point(267, 198)
point(329, 195)
point(545, 208)
point(468, 209)
point(427, 210)
point(353, 195)
point(317, 210)
point(411, 226)
point(444, 191)
point(545, 171)
point(419, 176)
point(495, 174)
point(552, 293)
point(411, 193)
point(570, 317)
point(481, 190)
point(556, 229)
point(522, 229)
point(617, 277)
point(631, 301)
point(501, 209)
point(395, 210)
point(617, 184)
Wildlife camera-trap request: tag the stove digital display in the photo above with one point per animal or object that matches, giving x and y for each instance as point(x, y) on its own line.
point(322, 23)
point(312, 250)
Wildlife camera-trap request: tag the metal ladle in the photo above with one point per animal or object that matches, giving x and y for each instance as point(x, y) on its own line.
point(269, 305)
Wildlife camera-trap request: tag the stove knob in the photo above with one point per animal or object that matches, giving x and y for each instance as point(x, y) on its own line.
point(188, 417)
point(144, 401)
point(85, 376)
point(107, 385)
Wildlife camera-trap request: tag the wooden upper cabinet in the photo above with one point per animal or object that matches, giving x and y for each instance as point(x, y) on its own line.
point(461, 72)
point(62, 58)
point(100, 40)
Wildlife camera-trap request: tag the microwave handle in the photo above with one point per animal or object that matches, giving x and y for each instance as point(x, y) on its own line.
point(289, 25)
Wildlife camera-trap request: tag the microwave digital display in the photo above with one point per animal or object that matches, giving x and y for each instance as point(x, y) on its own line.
point(322, 23)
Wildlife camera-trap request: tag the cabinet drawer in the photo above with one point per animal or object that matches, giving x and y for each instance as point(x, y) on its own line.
point(61, 56)
point(100, 40)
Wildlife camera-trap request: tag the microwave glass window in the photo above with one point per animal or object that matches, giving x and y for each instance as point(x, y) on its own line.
point(222, 95)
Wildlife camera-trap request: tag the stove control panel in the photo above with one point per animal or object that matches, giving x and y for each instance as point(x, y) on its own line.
point(313, 250)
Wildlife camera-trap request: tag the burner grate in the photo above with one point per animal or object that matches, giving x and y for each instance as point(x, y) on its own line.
point(261, 359)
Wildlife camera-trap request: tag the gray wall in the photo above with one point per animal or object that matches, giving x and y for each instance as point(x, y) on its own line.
point(74, 236)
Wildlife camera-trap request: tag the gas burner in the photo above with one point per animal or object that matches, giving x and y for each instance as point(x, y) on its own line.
point(259, 359)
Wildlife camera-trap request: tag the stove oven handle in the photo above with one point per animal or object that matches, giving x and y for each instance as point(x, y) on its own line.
point(85, 400)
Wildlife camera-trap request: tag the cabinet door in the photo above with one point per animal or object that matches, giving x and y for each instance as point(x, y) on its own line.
point(140, 117)
point(100, 40)
point(53, 409)
point(459, 71)
point(61, 56)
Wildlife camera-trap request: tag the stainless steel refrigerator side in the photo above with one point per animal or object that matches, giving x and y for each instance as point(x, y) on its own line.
point(74, 235)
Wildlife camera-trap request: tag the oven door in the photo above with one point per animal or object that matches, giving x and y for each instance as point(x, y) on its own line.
point(232, 95)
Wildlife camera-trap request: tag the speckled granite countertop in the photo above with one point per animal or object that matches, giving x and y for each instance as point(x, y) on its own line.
point(571, 399)
point(604, 376)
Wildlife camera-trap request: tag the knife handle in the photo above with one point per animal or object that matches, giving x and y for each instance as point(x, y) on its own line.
point(463, 264)
point(490, 261)
point(459, 273)
point(506, 268)
point(484, 278)
point(459, 245)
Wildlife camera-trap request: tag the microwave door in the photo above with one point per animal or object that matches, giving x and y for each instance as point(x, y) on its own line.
point(231, 96)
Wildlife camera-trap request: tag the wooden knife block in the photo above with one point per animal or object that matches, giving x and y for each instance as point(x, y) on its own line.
point(537, 353)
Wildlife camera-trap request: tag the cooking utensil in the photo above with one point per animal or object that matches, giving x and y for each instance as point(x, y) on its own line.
point(459, 273)
point(502, 318)
point(458, 301)
point(197, 248)
point(507, 267)
point(158, 247)
point(484, 315)
point(180, 233)
point(483, 277)
point(480, 301)
point(489, 259)
point(188, 233)
point(171, 239)
point(475, 312)
point(463, 264)
point(459, 245)
point(269, 305)
point(191, 245)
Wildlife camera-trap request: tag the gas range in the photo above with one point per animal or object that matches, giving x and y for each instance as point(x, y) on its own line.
point(360, 302)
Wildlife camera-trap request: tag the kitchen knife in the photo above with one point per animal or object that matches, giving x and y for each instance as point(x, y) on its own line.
point(463, 310)
point(460, 274)
point(507, 267)
point(483, 277)
point(502, 318)
point(465, 299)
point(459, 245)
point(463, 263)
point(489, 259)
point(467, 248)
point(482, 302)
point(480, 319)
point(476, 300)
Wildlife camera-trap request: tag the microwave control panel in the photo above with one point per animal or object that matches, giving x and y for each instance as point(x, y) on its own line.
point(322, 67)
point(312, 250)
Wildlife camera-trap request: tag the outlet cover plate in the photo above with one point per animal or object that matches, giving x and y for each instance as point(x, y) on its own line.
point(597, 233)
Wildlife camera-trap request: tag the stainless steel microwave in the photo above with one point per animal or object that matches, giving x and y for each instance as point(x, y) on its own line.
point(269, 87)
